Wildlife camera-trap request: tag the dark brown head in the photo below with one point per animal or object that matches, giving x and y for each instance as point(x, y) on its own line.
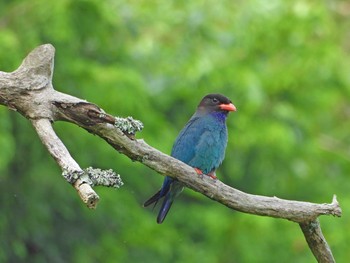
point(216, 103)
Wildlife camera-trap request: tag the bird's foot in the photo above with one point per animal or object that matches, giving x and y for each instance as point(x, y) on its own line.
point(199, 172)
point(212, 175)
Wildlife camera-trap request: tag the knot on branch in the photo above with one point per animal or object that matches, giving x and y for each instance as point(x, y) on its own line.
point(94, 177)
point(89, 114)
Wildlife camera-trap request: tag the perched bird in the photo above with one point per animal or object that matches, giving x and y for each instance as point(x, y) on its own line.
point(200, 144)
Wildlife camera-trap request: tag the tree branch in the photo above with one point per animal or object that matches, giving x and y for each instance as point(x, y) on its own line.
point(68, 165)
point(316, 241)
point(29, 91)
point(139, 150)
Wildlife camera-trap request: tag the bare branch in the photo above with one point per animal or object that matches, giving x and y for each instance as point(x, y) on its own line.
point(316, 241)
point(71, 170)
point(140, 151)
point(29, 91)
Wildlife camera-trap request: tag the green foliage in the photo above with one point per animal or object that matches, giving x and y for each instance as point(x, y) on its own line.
point(284, 64)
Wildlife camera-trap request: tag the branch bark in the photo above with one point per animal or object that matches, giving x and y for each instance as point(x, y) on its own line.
point(316, 241)
point(29, 91)
point(63, 158)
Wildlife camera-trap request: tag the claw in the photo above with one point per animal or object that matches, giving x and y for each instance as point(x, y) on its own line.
point(199, 172)
point(212, 175)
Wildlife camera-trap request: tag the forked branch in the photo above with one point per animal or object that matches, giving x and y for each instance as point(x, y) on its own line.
point(29, 91)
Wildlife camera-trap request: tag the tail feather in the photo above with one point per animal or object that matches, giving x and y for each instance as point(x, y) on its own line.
point(168, 201)
point(170, 190)
point(153, 199)
point(162, 192)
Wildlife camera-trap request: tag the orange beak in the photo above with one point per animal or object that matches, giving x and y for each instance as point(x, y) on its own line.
point(228, 107)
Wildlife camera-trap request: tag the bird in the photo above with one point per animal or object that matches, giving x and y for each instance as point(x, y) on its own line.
point(201, 144)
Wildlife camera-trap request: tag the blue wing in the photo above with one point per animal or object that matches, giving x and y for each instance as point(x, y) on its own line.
point(184, 146)
point(201, 143)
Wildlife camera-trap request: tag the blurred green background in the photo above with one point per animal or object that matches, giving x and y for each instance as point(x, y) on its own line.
point(284, 64)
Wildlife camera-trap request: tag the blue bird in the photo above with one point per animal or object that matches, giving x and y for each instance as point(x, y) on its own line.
point(200, 144)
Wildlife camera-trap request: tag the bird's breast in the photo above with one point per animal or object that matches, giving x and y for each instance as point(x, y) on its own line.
point(211, 143)
point(202, 142)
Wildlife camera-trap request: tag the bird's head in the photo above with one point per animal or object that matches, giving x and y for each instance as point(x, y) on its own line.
point(216, 103)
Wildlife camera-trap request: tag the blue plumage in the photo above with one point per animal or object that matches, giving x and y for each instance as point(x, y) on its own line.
point(200, 144)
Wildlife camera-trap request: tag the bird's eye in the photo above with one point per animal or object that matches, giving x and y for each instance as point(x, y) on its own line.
point(215, 100)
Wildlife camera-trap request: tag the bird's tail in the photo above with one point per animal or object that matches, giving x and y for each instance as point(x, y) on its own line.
point(170, 190)
point(167, 202)
point(162, 192)
point(153, 199)
point(175, 190)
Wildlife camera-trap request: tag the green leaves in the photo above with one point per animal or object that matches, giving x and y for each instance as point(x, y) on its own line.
point(285, 66)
